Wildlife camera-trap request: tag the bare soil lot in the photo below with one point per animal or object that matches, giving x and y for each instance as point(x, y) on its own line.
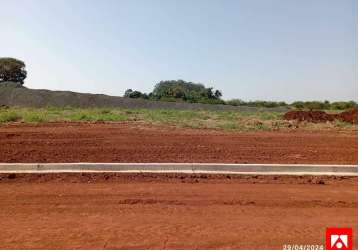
point(171, 211)
point(162, 212)
point(139, 142)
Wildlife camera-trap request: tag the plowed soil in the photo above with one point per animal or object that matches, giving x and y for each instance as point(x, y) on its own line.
point(163, 212)
point(136, 142)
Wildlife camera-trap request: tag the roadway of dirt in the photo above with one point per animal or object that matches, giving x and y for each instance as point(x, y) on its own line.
point(193, 212)
point(137, 142)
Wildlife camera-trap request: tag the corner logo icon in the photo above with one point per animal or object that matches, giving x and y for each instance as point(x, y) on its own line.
point(339, 239)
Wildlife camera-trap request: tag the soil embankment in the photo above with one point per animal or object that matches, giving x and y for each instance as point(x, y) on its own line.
point(350, 116)
point(23, 97)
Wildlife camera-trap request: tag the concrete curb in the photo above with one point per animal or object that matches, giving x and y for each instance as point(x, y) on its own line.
point(191, 168)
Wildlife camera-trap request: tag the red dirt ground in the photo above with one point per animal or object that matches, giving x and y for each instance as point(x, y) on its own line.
point(171, 211)
point(135, 142)
point(162, 212)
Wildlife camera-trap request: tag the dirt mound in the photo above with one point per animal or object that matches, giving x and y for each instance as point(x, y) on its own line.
point(11, 85)
point(350, 116)
point(12, 94)
point(309, 116)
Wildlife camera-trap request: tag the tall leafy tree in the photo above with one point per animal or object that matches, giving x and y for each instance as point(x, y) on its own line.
point(187, 91)
point(12, 70)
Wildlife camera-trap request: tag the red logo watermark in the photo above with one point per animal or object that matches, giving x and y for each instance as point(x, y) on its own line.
point(339, 239)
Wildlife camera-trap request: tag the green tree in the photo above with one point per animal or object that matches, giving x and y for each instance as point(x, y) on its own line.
point(185, 91)
point(12, 70)
point(218, 94)
point(128, 93)
point(135, 94)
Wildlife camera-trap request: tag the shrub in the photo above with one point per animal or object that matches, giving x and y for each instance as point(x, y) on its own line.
point(9, 116)
point(135, 94)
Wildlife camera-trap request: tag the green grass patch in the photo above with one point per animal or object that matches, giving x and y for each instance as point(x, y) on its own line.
point(225, 120)
point(93, 115)
point(9, 116)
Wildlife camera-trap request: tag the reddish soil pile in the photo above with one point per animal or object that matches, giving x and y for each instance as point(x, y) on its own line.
point(321, 116)
point(349, 116)
point(309, 116)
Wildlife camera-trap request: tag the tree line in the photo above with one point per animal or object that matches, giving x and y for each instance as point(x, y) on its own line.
point(304, 105)
point(182, 91)
point(13, 70)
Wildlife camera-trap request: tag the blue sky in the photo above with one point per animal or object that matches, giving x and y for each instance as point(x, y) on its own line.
point(268, 49)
